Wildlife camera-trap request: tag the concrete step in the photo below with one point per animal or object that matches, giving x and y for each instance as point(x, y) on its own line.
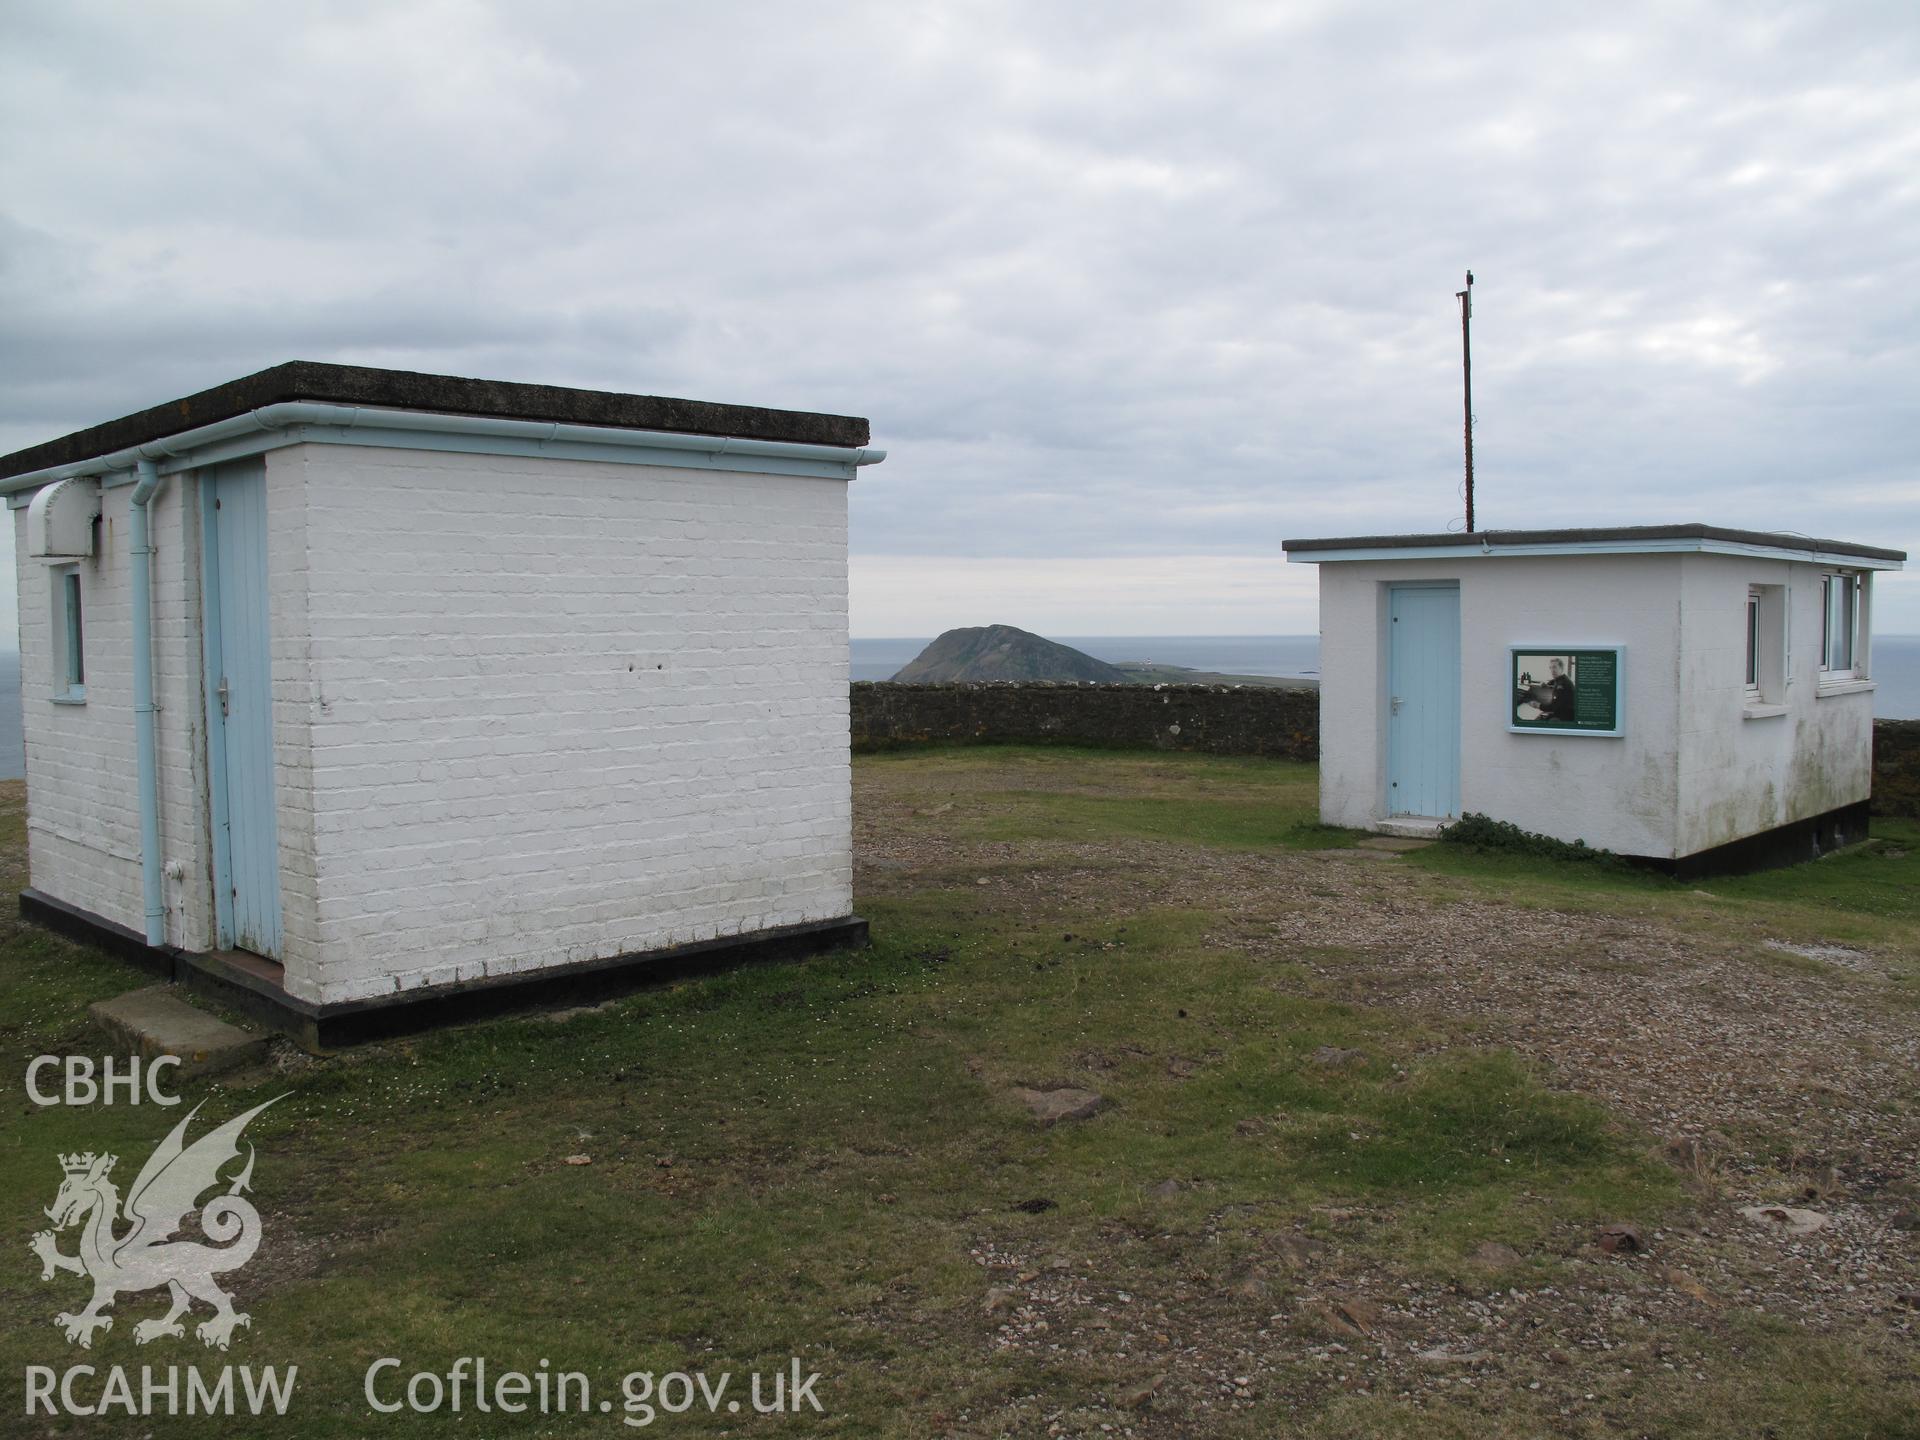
point(1416, 827)
point(156, 1021)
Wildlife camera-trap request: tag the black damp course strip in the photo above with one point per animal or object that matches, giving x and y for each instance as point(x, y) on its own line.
point(1789, 844)
point(439, 394)
point(329, 1027)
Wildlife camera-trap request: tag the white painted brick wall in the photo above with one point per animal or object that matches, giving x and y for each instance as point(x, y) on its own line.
point(83, 814)
point(525, 712)
point(533, 711)
point(290, 661)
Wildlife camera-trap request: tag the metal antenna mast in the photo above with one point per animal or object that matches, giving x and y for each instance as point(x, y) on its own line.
point(1465, 297)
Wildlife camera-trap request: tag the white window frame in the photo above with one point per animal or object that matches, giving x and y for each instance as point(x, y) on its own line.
point(1844, 671)
point(68, 627)
point(1836, 666)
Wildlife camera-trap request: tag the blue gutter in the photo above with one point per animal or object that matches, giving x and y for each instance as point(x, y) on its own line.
point(141, 548)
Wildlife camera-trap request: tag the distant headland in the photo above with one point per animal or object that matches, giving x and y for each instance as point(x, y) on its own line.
point(1006, 652)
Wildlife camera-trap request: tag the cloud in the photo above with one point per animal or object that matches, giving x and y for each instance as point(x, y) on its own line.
point(1116, 284)
point(1206, 594)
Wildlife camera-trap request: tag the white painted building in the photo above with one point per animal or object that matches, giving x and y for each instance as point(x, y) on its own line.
point(1688, 694)
point(454, 683)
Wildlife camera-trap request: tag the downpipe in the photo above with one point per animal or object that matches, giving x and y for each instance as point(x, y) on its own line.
point(146, 485)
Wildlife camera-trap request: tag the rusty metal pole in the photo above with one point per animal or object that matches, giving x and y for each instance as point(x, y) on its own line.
point(1465, 298)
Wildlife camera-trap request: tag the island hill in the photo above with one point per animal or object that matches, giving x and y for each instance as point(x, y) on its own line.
point(1007, 653)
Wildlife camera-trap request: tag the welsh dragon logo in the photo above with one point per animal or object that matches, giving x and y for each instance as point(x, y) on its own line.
point(145, 1256)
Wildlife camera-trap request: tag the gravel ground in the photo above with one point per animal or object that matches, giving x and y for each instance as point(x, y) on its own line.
point(1768, 1072)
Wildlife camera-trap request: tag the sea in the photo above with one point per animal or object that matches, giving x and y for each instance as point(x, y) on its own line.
point(1896, 665)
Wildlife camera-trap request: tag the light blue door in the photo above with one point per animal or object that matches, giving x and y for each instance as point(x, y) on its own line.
point(1423, 700)
point(246, 839)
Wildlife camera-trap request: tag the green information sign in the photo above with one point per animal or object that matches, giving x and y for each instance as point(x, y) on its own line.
point(1566, 691)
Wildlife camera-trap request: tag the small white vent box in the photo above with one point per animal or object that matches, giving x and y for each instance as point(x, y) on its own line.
point(60, 519)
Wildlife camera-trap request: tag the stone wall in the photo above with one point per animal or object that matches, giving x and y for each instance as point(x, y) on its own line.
point(1896, 768)
point(1213, 719)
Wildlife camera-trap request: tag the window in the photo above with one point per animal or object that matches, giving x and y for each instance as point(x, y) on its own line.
point(1840, 623)
point(69, 638)
point(1753, 640)
point(1766, 671)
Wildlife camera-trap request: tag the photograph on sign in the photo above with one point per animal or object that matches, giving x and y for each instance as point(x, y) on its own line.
point(1566, 690)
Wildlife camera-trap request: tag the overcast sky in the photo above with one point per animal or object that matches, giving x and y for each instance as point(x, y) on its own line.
point(1130, 292)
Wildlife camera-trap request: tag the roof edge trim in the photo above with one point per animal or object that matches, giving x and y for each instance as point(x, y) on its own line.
point(1625, 540)
point(298, 422)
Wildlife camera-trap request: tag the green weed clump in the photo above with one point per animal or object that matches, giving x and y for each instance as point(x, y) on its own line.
point(1483, 832)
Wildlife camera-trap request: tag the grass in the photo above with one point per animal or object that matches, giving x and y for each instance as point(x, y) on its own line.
point(811, 1160)
point(783, 1159)
point(1063, 793)
point(1863, 883)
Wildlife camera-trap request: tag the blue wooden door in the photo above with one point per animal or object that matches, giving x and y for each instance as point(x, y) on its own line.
point(240, 710)
point(1423, 700)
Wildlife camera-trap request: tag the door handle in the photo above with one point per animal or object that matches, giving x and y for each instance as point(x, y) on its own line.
point(1395, 702)
point(221, 691)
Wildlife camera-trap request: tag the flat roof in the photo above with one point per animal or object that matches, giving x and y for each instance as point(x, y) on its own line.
point(441, 394)
point(1619, 539)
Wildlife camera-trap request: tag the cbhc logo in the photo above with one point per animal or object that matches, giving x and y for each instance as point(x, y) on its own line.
point(84, 1083)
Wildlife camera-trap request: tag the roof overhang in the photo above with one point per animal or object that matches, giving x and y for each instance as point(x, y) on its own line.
point(303, 422)
point(1626, 540)
point(414, 391)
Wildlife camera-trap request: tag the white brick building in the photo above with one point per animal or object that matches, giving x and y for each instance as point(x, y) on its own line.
point(455, 684)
